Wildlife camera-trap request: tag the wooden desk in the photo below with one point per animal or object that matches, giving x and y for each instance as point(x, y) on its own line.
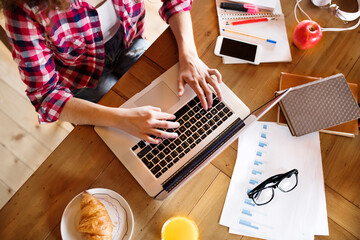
point(83, 161)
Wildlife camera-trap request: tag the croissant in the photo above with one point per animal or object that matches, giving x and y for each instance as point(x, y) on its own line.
point(95, 222)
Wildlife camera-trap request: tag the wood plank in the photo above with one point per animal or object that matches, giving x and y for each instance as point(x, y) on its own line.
point(341, 165)
point(150, 214)
point(336, 232)
point(206, 213)
point(13, 172)
point(21, 144)
point(23, 113)
point(341, 211)
point(47, 192)
point(5, 193)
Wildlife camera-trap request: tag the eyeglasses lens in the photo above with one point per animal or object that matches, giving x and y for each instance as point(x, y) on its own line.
point(288, 183)
point(264, 196)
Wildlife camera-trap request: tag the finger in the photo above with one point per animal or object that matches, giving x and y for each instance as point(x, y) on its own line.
point(217, 74)
point(151, 139)
point(216, 87)
point(164, 116)
point(163, 134)
point(166, 124)
point(154, 108)
point(207, 91)
point(181, 86)
point(200, 93)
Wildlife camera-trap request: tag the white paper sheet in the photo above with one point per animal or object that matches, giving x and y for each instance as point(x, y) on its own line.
point(266, 149)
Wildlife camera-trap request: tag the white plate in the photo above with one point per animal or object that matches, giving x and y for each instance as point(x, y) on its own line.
point(118, 209)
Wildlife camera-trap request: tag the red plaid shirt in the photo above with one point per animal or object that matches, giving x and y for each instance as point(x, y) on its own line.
point(72, 54)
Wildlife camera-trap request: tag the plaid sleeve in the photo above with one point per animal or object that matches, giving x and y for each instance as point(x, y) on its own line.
point(172, 7)
point(36, 66)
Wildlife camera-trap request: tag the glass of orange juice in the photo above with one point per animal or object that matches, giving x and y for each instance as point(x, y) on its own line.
point(179, 228)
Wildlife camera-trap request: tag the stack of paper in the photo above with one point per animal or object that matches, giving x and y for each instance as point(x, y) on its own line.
point(266, 149)
point(274, 30)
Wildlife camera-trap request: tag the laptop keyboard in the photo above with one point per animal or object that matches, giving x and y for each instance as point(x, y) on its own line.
point(195, 125)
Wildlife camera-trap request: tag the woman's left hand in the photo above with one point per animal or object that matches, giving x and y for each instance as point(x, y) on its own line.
point(200, 77)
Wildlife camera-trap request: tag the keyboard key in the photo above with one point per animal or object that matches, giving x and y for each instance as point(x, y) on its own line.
point(158, 174)
point(203, 120)
point(215, 101)
point(213, 111)
point(193, 120)
point(187, 124)
point(226, 110)
point(220, 106)
point(198, 116)
point(172, 146)
point(177, 142)
point(160, 147)
point(221, 114)
point(182, 129)
point(182, 111)
point(168, 159)
point(187, 150)
point(188, 133)
point(166, 151)
point(198, 141)
point(185, 144)
point(216, 118)
point(191, 113)
point(155, 151)
point(224, 118)
point(170, 165)
point(229, 114)
point(190, 140)
point(202, 112)
point(192, 103)
point(155, 169)
point(181, 155)
point(203, 136)
point(134, 147)
point(208, 115)
point(179, 149)
point(193, 128)
point(161, 155)
point(196, 109)
point(166, 142)
point(200, 131)
point(162, 163)
point(195, 135)
point(149, 156)
point(186, 117)
point(164, 169)
point(183, 137)
point(198, 124)
point(192, 145)
point(176, 160)
point(141, 144)
point(211, 122)
point(174, 154)
point(149, 165)
point(155, 160)
point(143, 152)
point(180, 121)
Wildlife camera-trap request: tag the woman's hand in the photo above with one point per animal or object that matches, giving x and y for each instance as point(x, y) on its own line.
point(146, 123)
point(193, 71)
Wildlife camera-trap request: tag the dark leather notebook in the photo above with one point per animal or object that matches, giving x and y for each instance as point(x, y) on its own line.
point(319, 105)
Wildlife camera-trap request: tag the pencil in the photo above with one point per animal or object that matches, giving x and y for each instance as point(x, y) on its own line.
point(249, 35)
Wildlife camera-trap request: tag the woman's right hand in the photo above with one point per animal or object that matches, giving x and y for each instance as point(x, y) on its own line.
point(146, 123)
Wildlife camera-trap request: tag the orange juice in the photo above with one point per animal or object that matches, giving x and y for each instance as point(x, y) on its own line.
point(179, 228)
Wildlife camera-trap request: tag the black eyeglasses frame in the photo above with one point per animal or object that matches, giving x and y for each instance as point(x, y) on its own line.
point(276, 179)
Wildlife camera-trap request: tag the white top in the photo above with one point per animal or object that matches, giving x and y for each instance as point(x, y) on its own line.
point(109, 21)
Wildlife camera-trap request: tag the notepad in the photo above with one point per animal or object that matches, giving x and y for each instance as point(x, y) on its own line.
point(319, 105)
point(275, 30)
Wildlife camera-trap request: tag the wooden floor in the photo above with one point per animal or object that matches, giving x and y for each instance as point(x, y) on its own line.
point(24, 143)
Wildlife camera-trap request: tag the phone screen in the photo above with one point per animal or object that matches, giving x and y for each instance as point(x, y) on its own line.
point(238, 49)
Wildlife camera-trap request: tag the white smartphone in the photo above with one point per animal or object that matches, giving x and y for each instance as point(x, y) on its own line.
point(229, 47)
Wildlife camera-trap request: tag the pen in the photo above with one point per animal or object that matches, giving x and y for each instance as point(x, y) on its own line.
point(249, 8)
point(249, 35)
point(255, 20)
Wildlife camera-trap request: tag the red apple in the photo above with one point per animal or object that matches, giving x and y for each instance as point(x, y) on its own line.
point(307, 34)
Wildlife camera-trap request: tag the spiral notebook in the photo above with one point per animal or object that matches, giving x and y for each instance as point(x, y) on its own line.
point(274, 30)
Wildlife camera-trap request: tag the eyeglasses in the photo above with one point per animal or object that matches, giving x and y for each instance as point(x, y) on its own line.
point(264, 192)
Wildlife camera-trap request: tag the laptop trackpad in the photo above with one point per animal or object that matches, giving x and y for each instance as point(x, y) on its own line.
point(159, 96)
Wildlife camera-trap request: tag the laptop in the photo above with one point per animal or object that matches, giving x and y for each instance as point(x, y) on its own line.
point(162, 168)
